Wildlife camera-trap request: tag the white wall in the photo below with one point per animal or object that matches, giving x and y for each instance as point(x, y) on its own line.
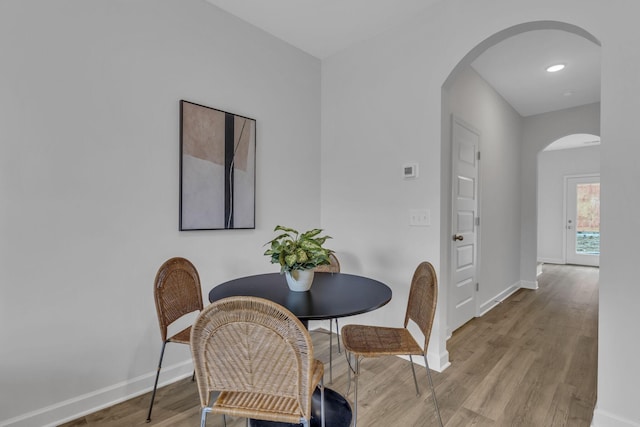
point(89, 144)
point(374, 117)
point(553, 167)
point(500, 126)
point(381, 107)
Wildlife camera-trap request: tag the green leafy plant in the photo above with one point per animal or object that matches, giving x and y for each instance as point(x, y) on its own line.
point(295, 251)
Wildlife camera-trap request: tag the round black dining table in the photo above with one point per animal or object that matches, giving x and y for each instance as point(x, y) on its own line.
point(331, 295)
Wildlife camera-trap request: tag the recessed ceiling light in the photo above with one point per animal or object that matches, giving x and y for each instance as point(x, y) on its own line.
point(555, 68)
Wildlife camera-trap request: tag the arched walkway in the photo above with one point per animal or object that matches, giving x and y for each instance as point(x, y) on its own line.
point(507, 202)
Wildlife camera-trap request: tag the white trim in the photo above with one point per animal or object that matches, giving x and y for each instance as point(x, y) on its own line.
point(551, 260)
point(88, 403)
point(526, 284)
point(492, 302)
point(437, 362)
point(606, 419)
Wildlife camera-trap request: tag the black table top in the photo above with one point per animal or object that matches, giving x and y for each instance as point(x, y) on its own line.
point(331, 295)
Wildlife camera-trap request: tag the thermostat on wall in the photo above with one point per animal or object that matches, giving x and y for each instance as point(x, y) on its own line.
point(410, 170)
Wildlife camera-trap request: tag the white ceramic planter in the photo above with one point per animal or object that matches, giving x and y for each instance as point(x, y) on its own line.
point(299, 280)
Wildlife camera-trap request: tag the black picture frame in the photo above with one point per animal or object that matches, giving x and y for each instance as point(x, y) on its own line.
point(217, 169)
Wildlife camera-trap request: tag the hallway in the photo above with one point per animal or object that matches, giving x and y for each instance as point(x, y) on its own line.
point(531, 361)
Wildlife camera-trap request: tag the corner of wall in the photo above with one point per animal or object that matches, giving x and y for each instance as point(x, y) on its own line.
point(526, 284)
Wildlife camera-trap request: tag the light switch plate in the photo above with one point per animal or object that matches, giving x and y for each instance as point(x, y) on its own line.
point(419, 217)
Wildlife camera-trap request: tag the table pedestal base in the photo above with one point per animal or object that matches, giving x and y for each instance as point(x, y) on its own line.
point(337, 412)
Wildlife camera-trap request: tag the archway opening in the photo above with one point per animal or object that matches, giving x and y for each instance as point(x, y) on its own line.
point(568, 229)
point(506, 216)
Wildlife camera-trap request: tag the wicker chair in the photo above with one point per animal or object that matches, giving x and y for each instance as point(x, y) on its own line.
point(259, 357)
point(373, 341)
point(333, 267)
point(177, 292)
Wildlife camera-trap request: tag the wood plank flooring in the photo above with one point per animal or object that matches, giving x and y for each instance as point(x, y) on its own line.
point(531, 361)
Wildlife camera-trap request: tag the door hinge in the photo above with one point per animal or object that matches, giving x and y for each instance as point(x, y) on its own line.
point(478, 155)
point(477, 286)
point(477, 221)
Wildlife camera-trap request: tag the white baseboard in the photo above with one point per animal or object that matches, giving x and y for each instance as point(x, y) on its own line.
point(605, 419)
point(492, 302)
point(437, 362)
point(88, 403)
point(525, 284)
point(551, 260)
point(441, 364)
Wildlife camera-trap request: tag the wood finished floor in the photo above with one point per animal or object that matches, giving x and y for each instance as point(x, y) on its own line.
point(531, 361)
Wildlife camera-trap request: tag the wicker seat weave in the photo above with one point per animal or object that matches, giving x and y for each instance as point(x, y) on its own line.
point(374, 341)
point(181, 337)
point(259, 356)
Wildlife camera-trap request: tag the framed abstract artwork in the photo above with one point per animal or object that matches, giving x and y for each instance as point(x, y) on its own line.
point(217, 169)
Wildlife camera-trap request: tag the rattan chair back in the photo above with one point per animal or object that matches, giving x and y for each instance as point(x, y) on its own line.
point(253, 345)
point(177, 292)
point(332, 267)
point(423, 298)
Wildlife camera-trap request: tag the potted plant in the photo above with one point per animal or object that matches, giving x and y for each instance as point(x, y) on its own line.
point(298, 254)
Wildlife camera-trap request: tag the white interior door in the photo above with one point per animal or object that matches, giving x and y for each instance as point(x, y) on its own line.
point(582, 237)
point(463, 287)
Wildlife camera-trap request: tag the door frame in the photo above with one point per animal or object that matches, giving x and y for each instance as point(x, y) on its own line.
point(565, 232)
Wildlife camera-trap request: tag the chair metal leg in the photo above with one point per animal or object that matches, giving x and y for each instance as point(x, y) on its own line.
point(330, 354)
point(433, 390)
point(322, 403)
point(338, 334)
point(415, 380)
point(355, 392)
point(203, 416)
point(155, 384)
point(331, 346)
point(347, 356)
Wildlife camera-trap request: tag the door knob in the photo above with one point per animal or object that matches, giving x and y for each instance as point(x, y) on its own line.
point(458, 237)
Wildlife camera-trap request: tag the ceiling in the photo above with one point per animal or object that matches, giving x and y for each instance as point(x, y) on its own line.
point(324, 27)
point(515, 67)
